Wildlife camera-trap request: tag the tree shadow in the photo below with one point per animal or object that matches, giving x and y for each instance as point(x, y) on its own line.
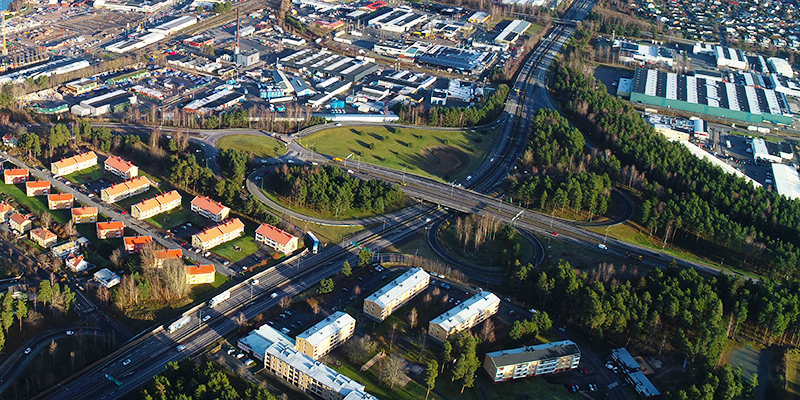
point(363, 143)
point(402, 143)
point(356, 131)
point(376, 136)
point(379, 158)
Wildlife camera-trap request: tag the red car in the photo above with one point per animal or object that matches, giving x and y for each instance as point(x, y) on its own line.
point(555, 233)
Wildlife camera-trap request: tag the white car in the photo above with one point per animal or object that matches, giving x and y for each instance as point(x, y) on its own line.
point(28, 350)
point(206, 318)
point(602, 246)
point(70, 333)
point(127, 361)
point(206, 254)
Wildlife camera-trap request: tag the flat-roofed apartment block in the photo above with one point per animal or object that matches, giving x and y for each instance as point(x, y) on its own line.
point(78, 162)
point(547, 358)
point(59, 201)
point(161, 256)
point(210, 209)
point(313, 377)
point(19, 223)
point(43, 237)
point(464, 316)
point(157, 205)
point(276, 238)
point(135, 244)
point(326, 335)
point(37, 188)
point(125, 189)
point(217, 235)
point(394, 295)
point(15, 175)
point(84, 215)
point(123, 169)
point(110, 229)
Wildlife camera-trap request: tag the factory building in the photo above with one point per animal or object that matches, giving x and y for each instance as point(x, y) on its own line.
point(215, 102)
point(405, 82)
point(451, 59)
point(315, 61)
point(510, 31)
point(111, 102)
point(787, 182)
point(642, 54)
point(174, 25)
point(731, 58)
point(142, 6)
point(396, 20)
point(247, 58)
point(329, 92)
point(57, 67)
point(782, 84)
point(780, 66)
point(699, 95)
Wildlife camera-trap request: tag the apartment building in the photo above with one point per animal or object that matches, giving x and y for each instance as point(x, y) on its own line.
point(15, 175)
point(157, 205)
point(198, 274)
point(37, 188)
point(210, 209)
point(215, 236)
point(395, 294)
point(123, 169)
point(19, 223)
point(66, 249)
point(43, 237)
point(313, 377)
point(110, 229)
point(135, 244)
point(277, 239)
point(59, 201)
point(464, 316)
point(547, 358)
point(78, 162)
point(326, 335)
point(126, 189)
point(161, 256)
point(5, 211)
point(84, 215)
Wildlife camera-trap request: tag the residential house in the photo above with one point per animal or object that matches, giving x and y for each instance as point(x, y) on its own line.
point(78, 162)
point(396, 293)
point(9, 140)
point(37, 188)
point(5, 211)
point(547, 358)
point(65, 249)
point(76, 263)
point(123, 169)
point(84, 215)
point(198, 274)
point(19, 223)
point(326, 335)
point(43, 237)
point(15, 175)
point(277, 239)
point(168, 254)
point(59, 201)
point(110, 229)
point(471, 312)
point(210, 209)
point(134, 244)
point(126, 189)
point(157, 205)
point(106, 278)
point(215, 236)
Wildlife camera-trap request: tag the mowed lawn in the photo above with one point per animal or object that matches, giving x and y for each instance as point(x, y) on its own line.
point(247, 246)
point(260, 146)
point(36, 204)
point(86, 175)
point(442, 155)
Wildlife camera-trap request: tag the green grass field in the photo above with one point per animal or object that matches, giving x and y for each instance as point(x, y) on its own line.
point(260, 146)
point(86, 175)
point(16, 194)
point(441, 155)
point(227, 250)
point(175, 217)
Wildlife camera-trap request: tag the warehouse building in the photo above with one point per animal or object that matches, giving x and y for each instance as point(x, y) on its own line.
point(547, 358)
point(396, 20)
point(769, 151)
point(699, 95)
point(328, 93)
point(57, 67)
point(510, 31)
point(326, 335)
point(81, 86)
point(316, 61)
point(128, 45)
point(469, 62)
point(394, 295)
point(215, 102)
point(643, 54)
point(111, 102)
point(780, 66)
point(405, 82)
point(464, 316)
point(787, 182)
point(731, 58)
point(143, 6)
point(782, 84)
point(174, 25)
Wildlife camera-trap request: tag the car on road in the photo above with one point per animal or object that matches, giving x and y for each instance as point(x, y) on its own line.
point(592, 387)
point(226, 263)
point(334, 308)
point(206, 254)
point(274, 295)
point(602, 246)
point(338, 124)
point(181, 347)
point(70, 333)
point(28, 350)
point(231, 351)
point(288, 312)
point(240, 356)
point(574, 388)
point(127, 361)
point(255, 282)
point(206, 318)
point(554, 233)
point(510, 312)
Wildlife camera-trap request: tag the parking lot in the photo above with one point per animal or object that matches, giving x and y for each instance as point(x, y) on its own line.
point(740, 158)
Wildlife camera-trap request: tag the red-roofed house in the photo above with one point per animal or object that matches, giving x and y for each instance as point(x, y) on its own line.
point(217, 235)
point(76, 263)
point(15, 175)
point(110, 229)
point(210, 209)
point(164, 255)
point(59, 201)
point(19, 223)
point(84, 215)
point(43, 237)
point(134, 244)
point(9, 140)
point(118, 166)
point(37, 188)
point(66, 166)
point(278, 239)
point(5, 211)
point(197, 274)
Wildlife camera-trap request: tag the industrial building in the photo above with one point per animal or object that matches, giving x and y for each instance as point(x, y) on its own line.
point(769, 151)
point(780, 66)
point(406, 82)
point(469, 62)
point(217, 235)
point(787, 182)
point(328, 93)
point(510, 31)
point(56, 67)
point(782, 84)
point(143, 6)
point(381, 304)
point(217, 101)
point(716, 98)
point(313, 377)
point(478, 18)
point(396, 20)
point(50, 107)
point(114, 101)
point(128, 45)
point(247, 58)
point(81, 86)
point(547, 358)
point(326, 335)
point(643, 54)
point(633, 373)
point(464, 316)
point(728, 57)
point(199, 40)
point(174, 25)
point(322, 61)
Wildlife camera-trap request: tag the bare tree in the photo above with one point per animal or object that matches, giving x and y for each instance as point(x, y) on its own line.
point(392, 369)
point(53, 347)
point(69, 229)
point(103, 295)
point(444, 301)
point(46, 219)
point(394, 330)
point(412, 318)
point(285, 302)
point(116, 258)
point(436, 292)
point(240, 320)
point(487, 331)
point(356, 291)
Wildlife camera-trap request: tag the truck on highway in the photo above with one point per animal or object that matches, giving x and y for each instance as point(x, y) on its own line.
point(179, 324)
point(338, 159)
point(219, 298)
point(314, 242)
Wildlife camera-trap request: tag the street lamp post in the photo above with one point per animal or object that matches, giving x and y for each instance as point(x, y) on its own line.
point(552, 216)
point(606, 235)
point(404, 174)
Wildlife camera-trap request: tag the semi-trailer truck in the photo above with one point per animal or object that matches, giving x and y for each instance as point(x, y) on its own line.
point(219, 298)
point(179, 324)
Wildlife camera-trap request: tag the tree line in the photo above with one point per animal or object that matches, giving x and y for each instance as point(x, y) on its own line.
point(331, 190)
point(455, 116)
point(683, 197)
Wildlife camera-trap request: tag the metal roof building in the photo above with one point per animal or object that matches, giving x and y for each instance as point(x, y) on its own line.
point(512, 31)
point(316, 61)
point(699, 95)
point(787, 182)
point(465, 61)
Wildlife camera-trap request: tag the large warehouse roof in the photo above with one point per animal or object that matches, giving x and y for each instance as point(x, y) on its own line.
point(315, 60)
point(787, 182)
